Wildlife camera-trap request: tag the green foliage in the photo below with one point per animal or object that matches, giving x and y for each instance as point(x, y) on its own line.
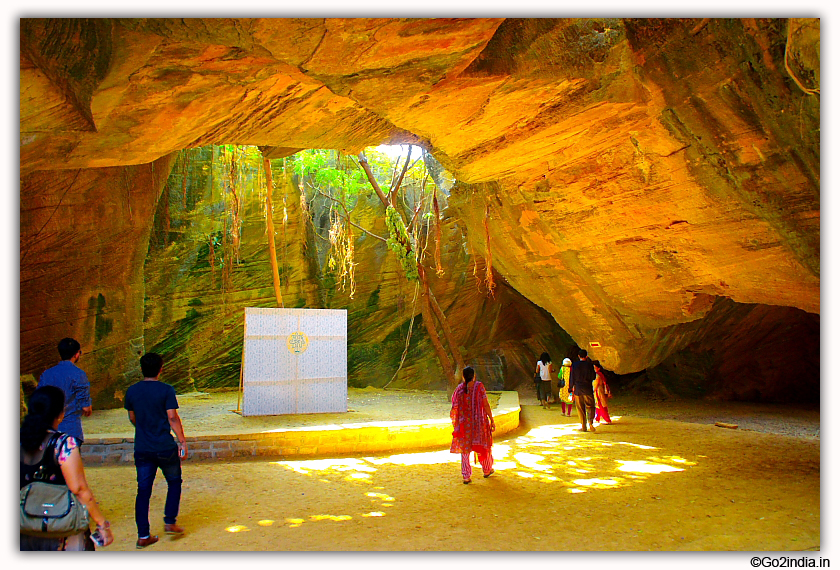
point(332, 174)
point(341, 177)
point(399, 243)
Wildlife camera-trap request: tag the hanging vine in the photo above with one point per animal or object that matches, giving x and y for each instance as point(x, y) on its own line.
point(399, 243)
point(488, 274)
point(342, 251)
point(438, 234)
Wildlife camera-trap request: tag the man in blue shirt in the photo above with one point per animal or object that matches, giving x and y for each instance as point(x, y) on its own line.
point(73, 381)
point(153, 410)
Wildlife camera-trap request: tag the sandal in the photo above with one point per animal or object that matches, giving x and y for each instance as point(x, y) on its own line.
point(467, 481)
point(486, 475)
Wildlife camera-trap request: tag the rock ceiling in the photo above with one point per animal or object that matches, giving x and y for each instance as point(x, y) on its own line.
point(634, 173)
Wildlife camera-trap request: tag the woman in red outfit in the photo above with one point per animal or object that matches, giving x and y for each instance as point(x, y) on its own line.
point(602, 392)
point(472, 420)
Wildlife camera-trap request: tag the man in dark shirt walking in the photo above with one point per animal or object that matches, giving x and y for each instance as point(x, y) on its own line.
point(153, 409)
point(73, 381)
point(580, 385)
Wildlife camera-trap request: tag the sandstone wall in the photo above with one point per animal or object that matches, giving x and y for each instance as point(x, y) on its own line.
point(636, 172)
point(84, 238)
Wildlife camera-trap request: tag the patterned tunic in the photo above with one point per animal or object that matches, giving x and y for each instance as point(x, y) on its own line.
point(471, 425)
point(565, 397)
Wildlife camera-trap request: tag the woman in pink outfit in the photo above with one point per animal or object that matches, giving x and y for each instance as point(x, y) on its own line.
point(602, 392)
point(472, 420)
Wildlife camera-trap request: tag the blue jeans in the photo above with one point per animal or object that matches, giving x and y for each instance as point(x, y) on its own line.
point(147, 464)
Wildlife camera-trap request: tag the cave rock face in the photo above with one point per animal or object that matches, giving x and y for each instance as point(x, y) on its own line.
point(635, 175)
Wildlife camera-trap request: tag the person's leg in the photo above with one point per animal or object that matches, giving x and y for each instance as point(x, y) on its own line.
point(605, 415)
point(466, 469)
point(146, 469)
point(563, 407)
point(170, 465)
point(486, 460)
point(590, 411)
point(581, 412)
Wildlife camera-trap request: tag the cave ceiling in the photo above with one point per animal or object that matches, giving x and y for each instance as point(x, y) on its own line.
point(632, 172)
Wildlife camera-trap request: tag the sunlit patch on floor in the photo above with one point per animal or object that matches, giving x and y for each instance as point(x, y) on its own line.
point(678, 459)
point(500, 451)
point(596, 483)
point(524, 474)
point(237, 528)
point(294, 523)
point(423, 458)
point(531, 461)
point(382, 496)
point(357, 476)
point(637, 445)
point(307, 466)
point(330, 517)
point(645, 467)
point(265, 522)
point(374, 514)
point(577, 490)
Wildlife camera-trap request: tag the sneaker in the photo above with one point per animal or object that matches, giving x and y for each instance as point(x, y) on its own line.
point(173, 529)
point(144, 542)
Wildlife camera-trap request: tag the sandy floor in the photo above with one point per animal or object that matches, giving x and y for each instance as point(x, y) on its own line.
point(640, 484)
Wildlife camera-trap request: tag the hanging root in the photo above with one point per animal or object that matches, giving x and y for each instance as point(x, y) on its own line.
point(488, 274)
point(342, 253)
point(438, 266)
point(399, 243)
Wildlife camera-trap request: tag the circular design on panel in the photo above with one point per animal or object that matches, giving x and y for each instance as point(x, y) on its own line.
point(297, 342)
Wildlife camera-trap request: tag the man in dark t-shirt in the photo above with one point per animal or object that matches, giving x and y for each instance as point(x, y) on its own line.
point(580, 385)
point(153, 409)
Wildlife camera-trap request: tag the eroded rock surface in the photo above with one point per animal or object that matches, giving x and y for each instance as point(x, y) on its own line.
point(636, 173)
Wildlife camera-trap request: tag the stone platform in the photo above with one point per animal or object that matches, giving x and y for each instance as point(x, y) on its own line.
point(376, 421)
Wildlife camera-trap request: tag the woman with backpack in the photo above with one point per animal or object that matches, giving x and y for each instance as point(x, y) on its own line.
point(52, 457)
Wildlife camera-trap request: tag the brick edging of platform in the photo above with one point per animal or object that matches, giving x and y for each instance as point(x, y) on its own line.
point(311, 441)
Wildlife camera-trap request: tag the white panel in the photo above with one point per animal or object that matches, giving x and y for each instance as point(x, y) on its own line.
point(309, 377)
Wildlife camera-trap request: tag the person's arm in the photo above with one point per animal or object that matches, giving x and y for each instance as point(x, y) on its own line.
point(82, 393)
point(175, 424)
point(489, 412)
point(74, 474)
point(132, 418)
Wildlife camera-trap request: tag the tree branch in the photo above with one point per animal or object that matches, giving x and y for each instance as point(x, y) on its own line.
point(366, 167)
point(396, 185)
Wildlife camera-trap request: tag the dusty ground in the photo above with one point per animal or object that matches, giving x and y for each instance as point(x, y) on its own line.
point(640, 484)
